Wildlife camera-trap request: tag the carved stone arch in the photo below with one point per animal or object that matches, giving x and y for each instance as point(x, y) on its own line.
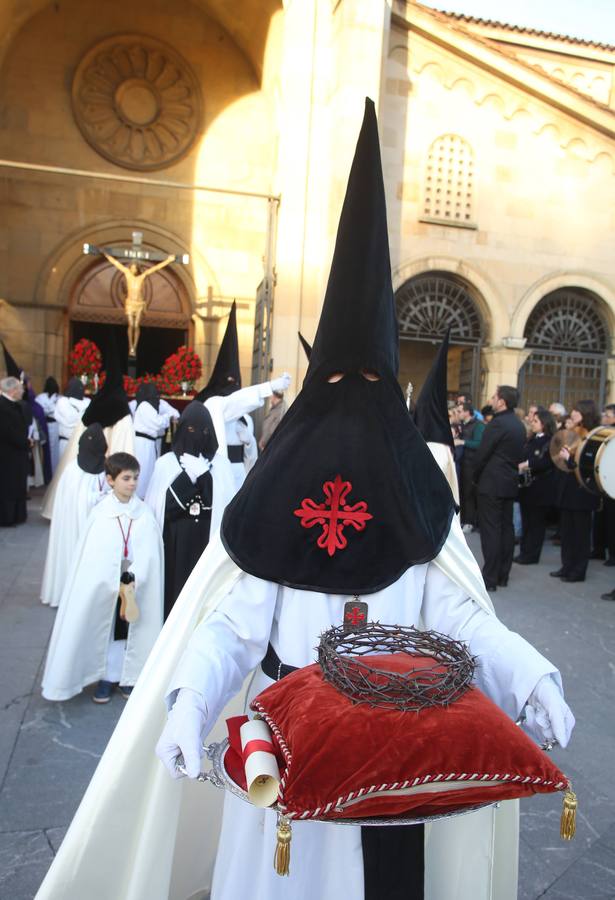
point(601, 291)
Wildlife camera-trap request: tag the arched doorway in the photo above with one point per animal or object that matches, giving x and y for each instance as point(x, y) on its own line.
point(569, 340)
point(97, 307)
point(426, 305)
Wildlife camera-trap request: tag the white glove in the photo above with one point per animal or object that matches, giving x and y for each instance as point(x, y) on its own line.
point(280, 384)
point(184, 733)
point(548, 716)
point(194, 466)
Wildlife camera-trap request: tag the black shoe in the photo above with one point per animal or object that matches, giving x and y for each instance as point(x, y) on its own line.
point(598, 554)
point(610, 596)
point(125, 690)
point(570, 579)
point(502, 582)
point(491, 587)
point(558, 574)
point(525, 562)
point(610, 561)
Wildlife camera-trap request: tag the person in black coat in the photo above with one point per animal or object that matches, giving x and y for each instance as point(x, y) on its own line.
point(497, 479)
point(536, 497)
point(14, 450)
point(576, 503)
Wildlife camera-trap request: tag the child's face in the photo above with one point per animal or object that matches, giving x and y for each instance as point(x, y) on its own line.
point(124, 485)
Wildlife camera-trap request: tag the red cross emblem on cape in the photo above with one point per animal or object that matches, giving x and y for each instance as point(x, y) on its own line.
point(334, 515)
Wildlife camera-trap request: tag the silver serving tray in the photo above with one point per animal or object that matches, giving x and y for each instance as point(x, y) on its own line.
point(219, 777)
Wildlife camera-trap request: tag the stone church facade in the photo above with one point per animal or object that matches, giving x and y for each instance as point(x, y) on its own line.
point(226, 131)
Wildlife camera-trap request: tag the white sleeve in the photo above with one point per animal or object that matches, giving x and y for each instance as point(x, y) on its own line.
point(507, 666)
point(227, 645)
point(148, 420)
point(66, 414)
point(166, 409)
point(245, 400)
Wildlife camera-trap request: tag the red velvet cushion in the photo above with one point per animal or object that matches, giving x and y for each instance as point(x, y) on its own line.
point(447, 757)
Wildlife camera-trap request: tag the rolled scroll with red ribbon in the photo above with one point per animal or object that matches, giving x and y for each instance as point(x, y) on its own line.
point(261, 767)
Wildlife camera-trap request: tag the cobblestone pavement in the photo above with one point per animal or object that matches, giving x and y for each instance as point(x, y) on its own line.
point(49, 751)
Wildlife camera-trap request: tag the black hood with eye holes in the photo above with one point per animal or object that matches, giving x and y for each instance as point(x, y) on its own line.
point(346, 495)
point(226, 375)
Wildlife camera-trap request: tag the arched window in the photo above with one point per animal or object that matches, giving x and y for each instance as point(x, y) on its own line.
point(569, 340)
point(449, 182)
point(426, 305)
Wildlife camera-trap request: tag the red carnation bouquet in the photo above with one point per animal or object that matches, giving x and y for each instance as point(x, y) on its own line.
point(84, 359)
point(183, 367)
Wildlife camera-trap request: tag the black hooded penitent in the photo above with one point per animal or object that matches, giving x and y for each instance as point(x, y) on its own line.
point(148, 393)
point(226, 375)
point(92, 450)
point(431, 413)
point(110, 404)
point(12, 369)
point(74, 388)
point(346, 496)
point(195, 433)
point(51, 386)
point(307, 347)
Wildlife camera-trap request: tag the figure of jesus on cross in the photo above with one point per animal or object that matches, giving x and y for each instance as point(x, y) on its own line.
point(135, 304)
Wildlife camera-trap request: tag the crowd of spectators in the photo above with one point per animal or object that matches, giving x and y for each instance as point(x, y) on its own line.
point(512, 490)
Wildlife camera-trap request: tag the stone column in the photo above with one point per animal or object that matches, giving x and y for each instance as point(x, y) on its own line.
point(332, 58)
point(502, 364)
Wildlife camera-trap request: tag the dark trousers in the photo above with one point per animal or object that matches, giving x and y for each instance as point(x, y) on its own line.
point(497, 537)
point(575, 531)
point(604, 528)
point(393, 862)
point(534, 523)
point(469, 509)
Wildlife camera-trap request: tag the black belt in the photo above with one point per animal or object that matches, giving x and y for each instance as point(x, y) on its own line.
point(142, 434)
point(62, 438)
point(235, 453)
point(273, 667)
point(49, 419)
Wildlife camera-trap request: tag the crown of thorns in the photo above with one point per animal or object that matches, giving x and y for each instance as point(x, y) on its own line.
point(434, 684)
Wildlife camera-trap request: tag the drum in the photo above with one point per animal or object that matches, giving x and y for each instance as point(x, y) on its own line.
point(596, 461)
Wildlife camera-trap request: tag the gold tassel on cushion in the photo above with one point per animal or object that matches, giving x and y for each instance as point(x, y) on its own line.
point(281, 858)
point(568, 823)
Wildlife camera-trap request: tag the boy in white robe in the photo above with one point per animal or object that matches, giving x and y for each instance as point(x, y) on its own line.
point(82, 485)
point(97, 636)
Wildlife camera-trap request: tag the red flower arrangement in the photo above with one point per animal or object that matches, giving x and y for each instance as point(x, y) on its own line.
point(84, 359)
point(182, 366)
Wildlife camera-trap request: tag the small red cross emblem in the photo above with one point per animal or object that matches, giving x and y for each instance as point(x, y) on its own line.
point(334, 515)
point(355, 616)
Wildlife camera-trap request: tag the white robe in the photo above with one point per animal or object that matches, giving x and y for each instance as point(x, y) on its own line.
point(78, 493)
point(121, 843)
point(444, 457)
point(48, 404)
point(68, 413)
point(226, 412)
point(120, 438)
point(166, 471)
point(149, 422)
point(84, 623)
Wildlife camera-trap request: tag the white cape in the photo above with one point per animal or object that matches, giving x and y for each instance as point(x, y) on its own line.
point(139, 835)
point(83, 626)
point(444, 457)
point(78, 493)
point(120, 438)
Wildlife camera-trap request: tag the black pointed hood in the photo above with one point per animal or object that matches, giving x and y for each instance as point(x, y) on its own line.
point(431, 413)
point(346, 495)
point(74, 388)
point(147, 392)
point(307, 348)
point(92, 450)
point(226, 375)
point(358, 322)
point(195, 433)
point(110, 404)
point(12, 369)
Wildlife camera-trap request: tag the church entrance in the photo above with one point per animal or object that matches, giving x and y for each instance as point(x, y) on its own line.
point(426, 305)
point(570, 343)
point(97, 309)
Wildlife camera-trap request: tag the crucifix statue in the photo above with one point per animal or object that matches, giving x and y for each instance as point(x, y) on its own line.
point(135, 303)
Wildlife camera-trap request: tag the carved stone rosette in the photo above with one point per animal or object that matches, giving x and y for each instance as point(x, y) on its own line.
point(137, 102)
